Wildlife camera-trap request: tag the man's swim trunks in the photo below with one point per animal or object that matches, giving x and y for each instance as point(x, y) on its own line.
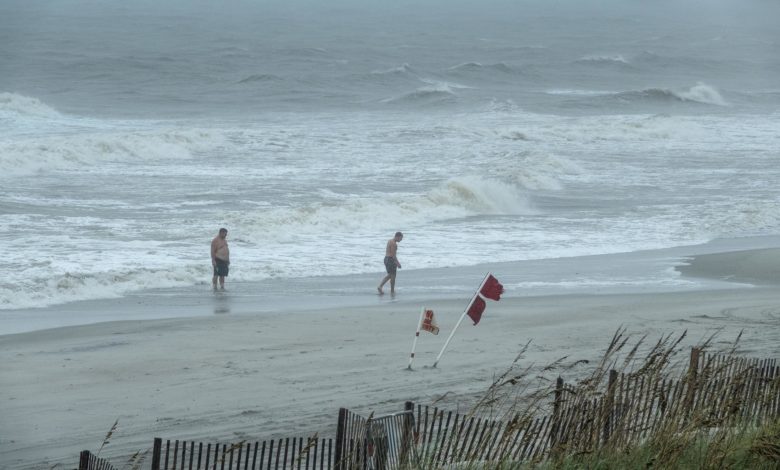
point(221, 267)
point(390, 265)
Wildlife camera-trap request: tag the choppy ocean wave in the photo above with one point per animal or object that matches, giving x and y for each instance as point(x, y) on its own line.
point(459, 197)
point(107, 207)
point(403, 75)
point(613, 62)
point(655, 62)
point(261, 77)
point(59, 288)
point(138, 262)
point(26, 156)
point(699, 94)
point(476, 67)
point(403, 69)
point(434, 94)
point(13, 106)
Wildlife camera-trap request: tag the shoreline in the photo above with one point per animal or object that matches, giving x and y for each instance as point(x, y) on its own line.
point(661, 270)
point(283, 373)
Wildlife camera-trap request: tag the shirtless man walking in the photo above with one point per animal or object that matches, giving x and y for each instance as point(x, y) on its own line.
point(391, 263)
point(220, 258)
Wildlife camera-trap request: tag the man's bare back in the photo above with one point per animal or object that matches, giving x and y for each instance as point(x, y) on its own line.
point(392, 249)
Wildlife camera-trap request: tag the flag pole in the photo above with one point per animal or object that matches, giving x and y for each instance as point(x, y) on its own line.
point(460, 320)
point(416, 335)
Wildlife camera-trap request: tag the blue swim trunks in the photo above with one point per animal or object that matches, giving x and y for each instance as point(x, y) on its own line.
point(221, 267)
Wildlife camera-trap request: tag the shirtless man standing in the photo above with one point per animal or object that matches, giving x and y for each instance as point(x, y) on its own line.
point(220, 258)
point(391, 262)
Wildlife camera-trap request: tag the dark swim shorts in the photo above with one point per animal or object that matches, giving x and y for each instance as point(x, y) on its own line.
point(390, 265)
point(221, 268)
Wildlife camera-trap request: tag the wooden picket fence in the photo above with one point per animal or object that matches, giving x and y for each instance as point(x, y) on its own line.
point(288, 453)
point(90, 461)
point(374, 442)
point(715, 391)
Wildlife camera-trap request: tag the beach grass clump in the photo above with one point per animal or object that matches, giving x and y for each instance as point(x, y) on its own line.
point(737, 448)
point(641, 405)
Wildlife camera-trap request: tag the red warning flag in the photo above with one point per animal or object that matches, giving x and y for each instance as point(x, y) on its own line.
point(476, 308)
point(492, 289)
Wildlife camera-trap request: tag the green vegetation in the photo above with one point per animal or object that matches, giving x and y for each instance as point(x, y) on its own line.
point(749, 448)
point(638, 407)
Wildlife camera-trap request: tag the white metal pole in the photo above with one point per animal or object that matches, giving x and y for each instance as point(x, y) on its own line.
point(452, 333)
point(416, 335)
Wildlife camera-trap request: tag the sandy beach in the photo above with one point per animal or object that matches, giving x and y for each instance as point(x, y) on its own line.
point(242, 375)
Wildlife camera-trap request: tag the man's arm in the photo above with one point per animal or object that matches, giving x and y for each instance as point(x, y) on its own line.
point(214, 252)
point(395, 253)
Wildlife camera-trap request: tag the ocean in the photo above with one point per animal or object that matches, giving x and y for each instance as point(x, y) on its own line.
point(130, 132)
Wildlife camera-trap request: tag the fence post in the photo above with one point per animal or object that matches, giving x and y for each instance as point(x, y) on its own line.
point(340, 431)
point(609, 405)
point(84, 460)
point(156, 453)
point(693, 378)
point(407, 435)
point(556, 417)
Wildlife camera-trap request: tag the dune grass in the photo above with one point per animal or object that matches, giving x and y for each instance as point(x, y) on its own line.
point(639, 406)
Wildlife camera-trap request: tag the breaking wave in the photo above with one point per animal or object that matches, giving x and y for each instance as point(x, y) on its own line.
point(455, 198)
point(74, 286)
point(29, 156)
point(613, 61)
point(12, 104)
point(262, 77)
point(438, 93)
point(477, 67)
point(700, 93)
point(403, 69)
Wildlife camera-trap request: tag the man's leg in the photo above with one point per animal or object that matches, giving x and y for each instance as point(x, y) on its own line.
point(381, 284)
point(222, 282)
point(392, 283)
point(214, 279)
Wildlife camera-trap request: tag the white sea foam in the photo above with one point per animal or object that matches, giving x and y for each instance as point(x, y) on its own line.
point(425, 95)
point(58, 288)
point(477, 67)
point(604, 59)
point(70, 152)
point(574, 92)
point(703, 93)
point(13, 105)
point(436, 91)
point(699, 93)
point(455, 198)
point(499, 185)
point(444, 85)
point(543, 171)
point(401, 69)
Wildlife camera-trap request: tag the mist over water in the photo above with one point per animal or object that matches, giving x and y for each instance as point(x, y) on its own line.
point(503, 131)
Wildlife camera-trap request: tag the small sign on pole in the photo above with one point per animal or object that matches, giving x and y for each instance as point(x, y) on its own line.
point(427, 323)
